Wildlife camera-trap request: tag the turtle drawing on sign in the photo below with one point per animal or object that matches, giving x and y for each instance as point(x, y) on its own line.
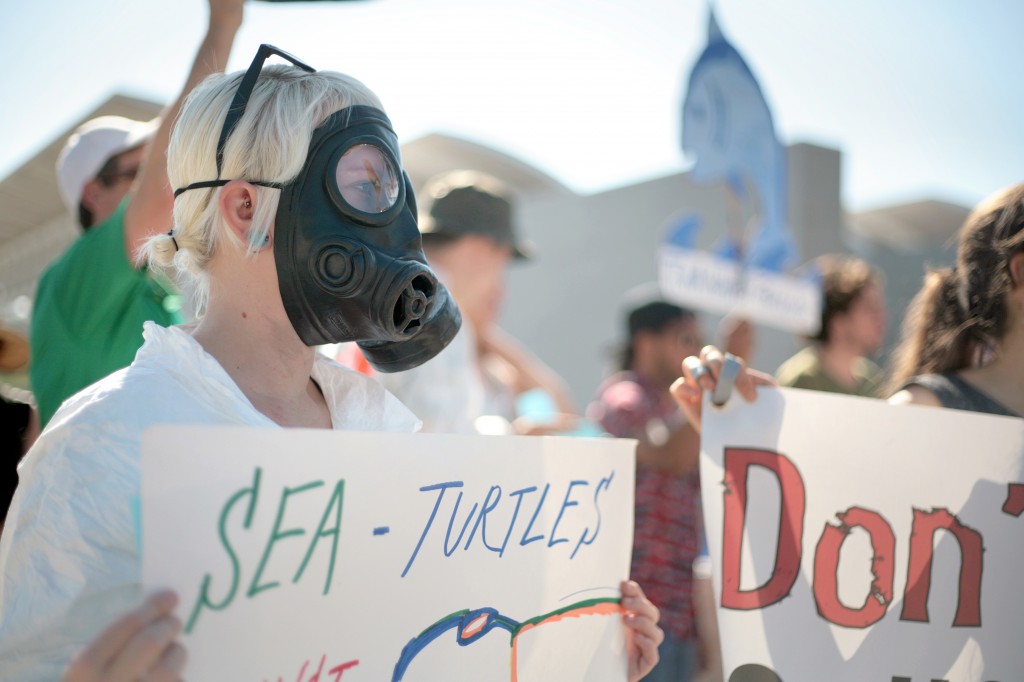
point(727, 128)
point(534, 644)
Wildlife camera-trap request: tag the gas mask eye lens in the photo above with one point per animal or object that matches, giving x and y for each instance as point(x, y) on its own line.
point(366, 178)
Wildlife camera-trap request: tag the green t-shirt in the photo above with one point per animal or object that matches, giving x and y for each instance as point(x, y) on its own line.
point(804, 370)
point(89, 308)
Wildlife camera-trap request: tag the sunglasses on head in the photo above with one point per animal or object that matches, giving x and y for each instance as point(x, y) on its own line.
point(112, 173)
point(111, 178)
point(237, 109)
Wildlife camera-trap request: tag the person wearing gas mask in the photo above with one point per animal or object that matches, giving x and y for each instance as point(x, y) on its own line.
point(294, 217)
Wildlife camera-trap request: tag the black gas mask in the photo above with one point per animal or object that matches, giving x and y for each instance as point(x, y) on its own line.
point(348, 252)
point(349, 257)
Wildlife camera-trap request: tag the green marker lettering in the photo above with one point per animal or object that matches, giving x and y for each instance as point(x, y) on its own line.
point(336, 502)
point(277, 534)
point(204, 591)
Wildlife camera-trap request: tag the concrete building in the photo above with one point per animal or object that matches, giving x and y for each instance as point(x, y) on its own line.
point(565, 304)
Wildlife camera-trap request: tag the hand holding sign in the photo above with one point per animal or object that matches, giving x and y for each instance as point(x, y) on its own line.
point(495, 555)
point(644, 636)
point(716, 372)
point(854, 540)
point(138, 646)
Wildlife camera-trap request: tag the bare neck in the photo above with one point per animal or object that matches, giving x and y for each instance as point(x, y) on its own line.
point(839, 361)
point(652, 372)
point(1003, 378)
point(268, 362)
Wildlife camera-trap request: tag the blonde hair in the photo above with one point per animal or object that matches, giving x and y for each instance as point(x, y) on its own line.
point(269, 144)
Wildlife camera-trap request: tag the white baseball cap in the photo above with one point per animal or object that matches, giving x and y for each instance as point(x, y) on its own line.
point(93, 144)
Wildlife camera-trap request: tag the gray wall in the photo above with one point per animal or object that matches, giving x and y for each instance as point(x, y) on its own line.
point(566, 304)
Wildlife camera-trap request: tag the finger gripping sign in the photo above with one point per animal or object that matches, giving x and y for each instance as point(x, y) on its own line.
point(321, 556)
point(855, 540)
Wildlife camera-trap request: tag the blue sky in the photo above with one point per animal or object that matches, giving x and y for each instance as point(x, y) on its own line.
point(923, 97)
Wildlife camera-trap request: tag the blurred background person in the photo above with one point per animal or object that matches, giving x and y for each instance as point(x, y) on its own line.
point(738, 335)
point(636, 403)
point(112, 174)
point(709, 643)
point(963, 338)
point(485, 380)
point(853, 324)
point(19, 420)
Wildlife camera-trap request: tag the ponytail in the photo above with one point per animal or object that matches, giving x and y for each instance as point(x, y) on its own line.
point(936, 337)
point(960, 313)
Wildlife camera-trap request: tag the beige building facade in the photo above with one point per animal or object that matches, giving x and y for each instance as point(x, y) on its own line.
point(566, 303)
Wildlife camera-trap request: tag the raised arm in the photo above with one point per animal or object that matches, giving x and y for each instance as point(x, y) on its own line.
point(530, 371)
point(150, 209)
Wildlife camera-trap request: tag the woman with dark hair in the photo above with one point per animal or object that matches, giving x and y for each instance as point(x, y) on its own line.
point(963, 338)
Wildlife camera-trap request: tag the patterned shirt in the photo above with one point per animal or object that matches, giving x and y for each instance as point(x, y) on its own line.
point(668, 521)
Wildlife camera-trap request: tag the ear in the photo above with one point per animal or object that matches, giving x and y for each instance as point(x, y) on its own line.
point(237, 205)
point(1017, 268)
point(89, 197)
point(643, 340)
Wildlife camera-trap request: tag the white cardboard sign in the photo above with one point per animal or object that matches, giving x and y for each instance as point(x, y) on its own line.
point(318, 556)
point(705, 281)
point(856, 541)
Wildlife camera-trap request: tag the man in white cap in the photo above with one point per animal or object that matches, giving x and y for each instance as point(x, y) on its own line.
point(91, 302)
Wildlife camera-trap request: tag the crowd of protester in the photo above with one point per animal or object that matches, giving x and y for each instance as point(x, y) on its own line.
point(106, 340)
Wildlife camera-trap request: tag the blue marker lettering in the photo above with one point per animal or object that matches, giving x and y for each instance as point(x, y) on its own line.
point(437, 486)
point(552, 541)
point(603, 484)
point(525, 541)
point(482, 519)
point(451, 522)
point(518, 494)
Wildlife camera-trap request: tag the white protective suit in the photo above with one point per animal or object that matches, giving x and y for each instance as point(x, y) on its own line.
point(449, 391)
point(69, 563)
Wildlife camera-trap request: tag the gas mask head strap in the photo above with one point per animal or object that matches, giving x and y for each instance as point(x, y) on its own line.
point(237, 109)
